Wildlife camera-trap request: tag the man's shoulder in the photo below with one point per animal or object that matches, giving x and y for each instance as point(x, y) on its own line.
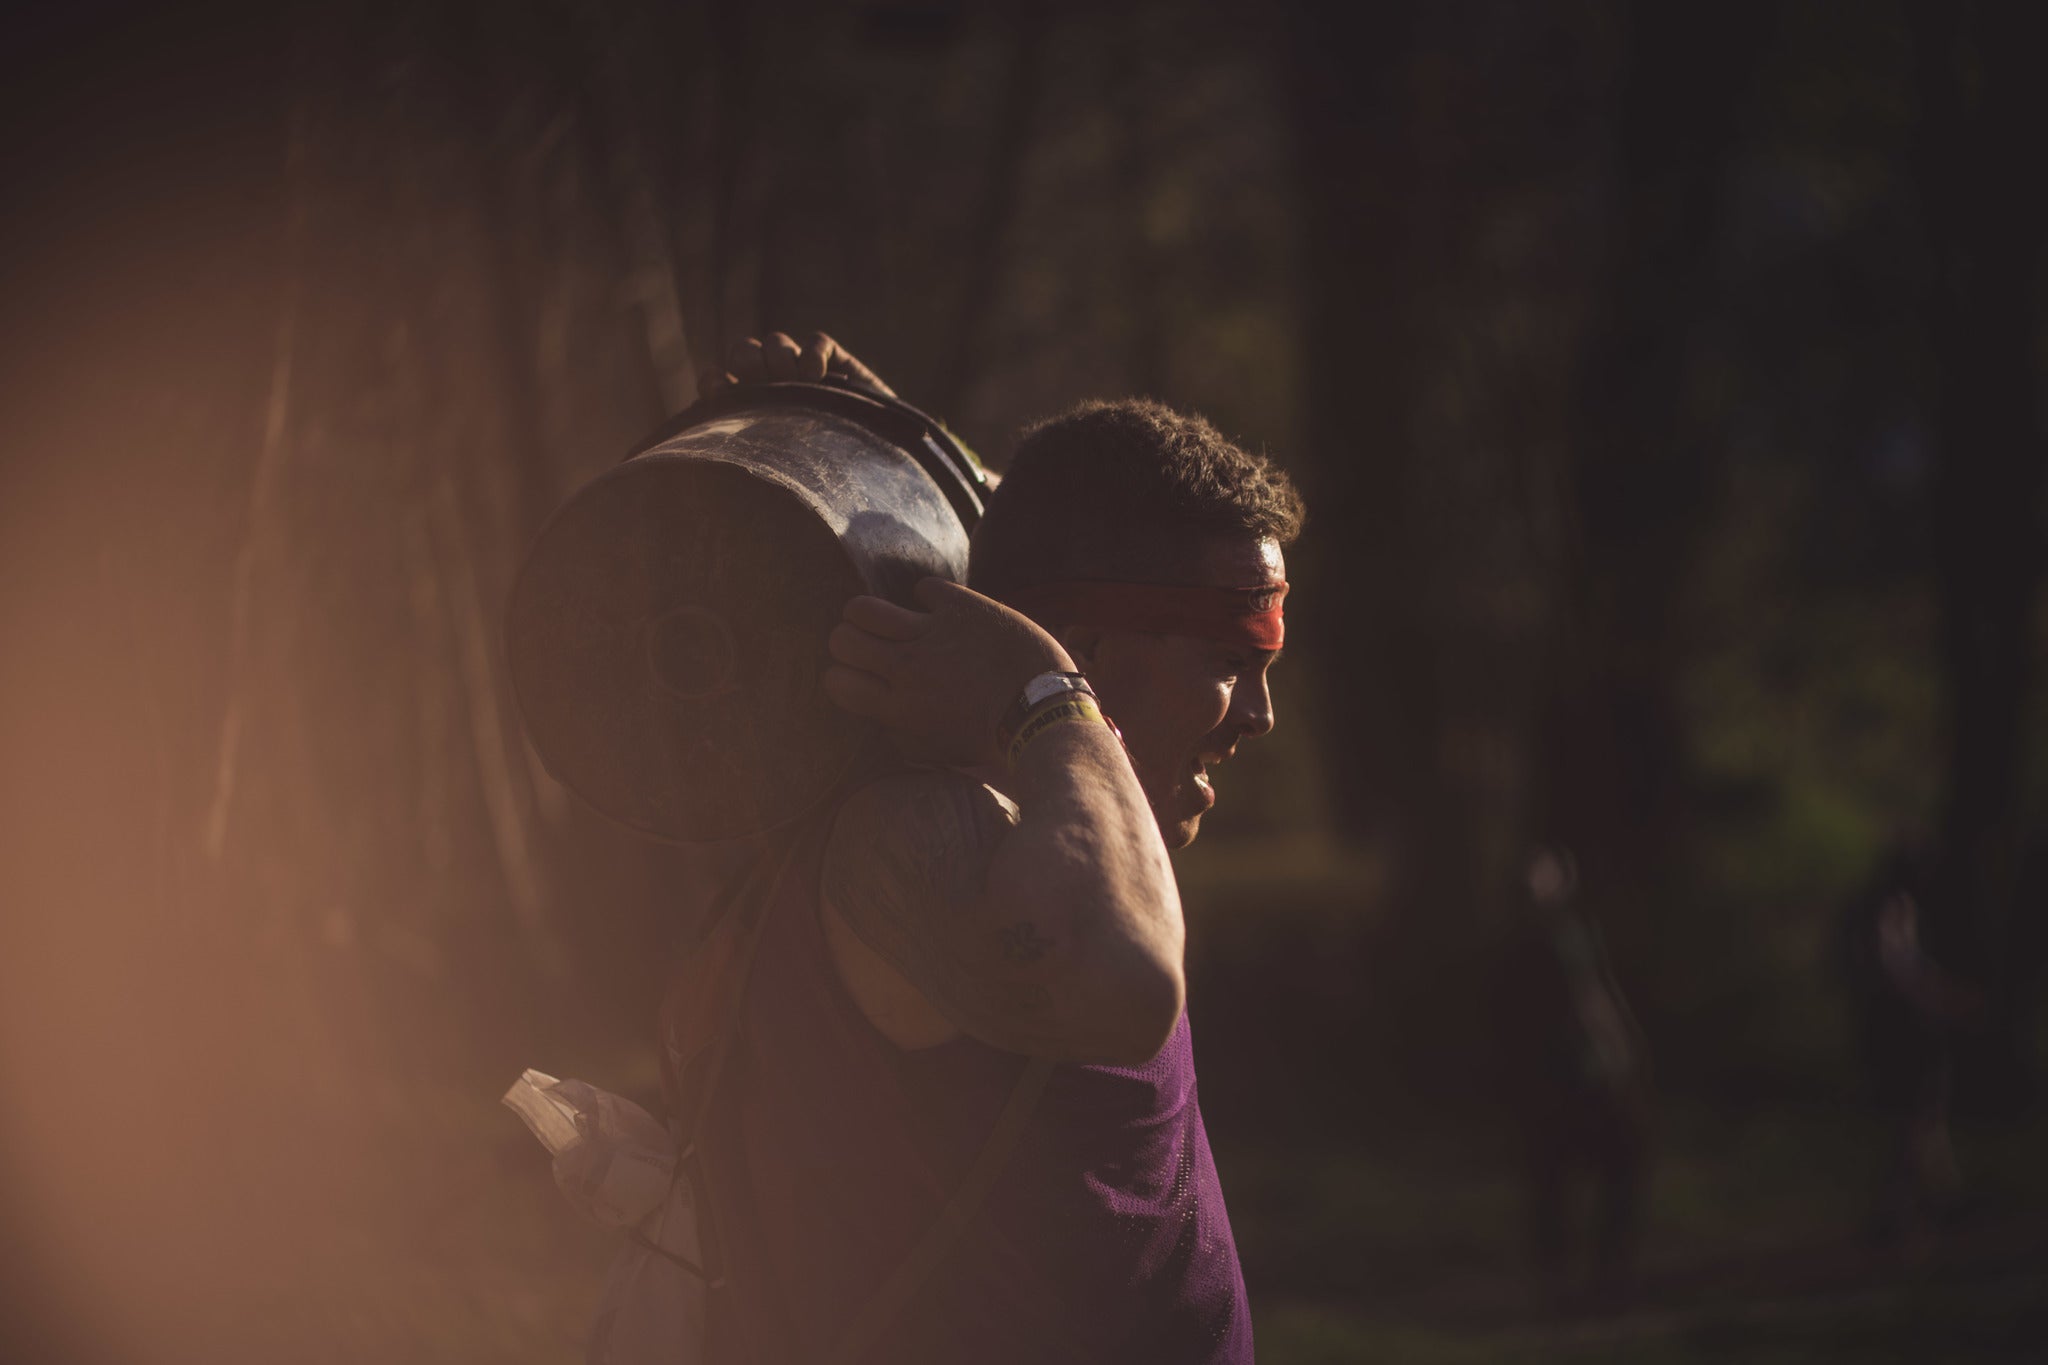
point(907, 855)
point(918, 804)
point(929, 830)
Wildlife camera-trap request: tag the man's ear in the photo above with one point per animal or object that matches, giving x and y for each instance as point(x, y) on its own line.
point(1083, 644)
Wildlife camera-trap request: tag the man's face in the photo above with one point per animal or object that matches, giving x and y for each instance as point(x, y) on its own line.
point(1184, 704)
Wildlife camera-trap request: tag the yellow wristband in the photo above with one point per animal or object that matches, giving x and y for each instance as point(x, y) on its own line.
point(1066, 707)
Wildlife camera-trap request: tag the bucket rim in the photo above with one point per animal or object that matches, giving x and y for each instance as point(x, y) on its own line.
point(951, 465)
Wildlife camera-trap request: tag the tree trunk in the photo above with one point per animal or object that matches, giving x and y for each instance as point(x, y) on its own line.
point(1001, 187)
point(1358, 172)
point(1610, 755)
point(1985, 215)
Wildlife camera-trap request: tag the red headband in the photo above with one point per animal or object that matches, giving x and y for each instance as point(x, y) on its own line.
point(1236, 616)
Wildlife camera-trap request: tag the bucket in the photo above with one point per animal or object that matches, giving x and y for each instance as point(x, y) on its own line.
point(667, 630)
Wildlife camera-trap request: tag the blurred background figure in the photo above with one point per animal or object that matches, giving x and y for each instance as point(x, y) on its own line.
point(1576, 1072)
point(1910, 1012)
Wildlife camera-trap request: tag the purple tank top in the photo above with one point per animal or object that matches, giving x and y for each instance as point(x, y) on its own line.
point(829, 1151)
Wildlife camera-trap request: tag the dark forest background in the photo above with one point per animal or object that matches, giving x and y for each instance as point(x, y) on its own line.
point(1666, 384)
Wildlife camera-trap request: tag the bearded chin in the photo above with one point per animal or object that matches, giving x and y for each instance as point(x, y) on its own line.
point(1177, 830)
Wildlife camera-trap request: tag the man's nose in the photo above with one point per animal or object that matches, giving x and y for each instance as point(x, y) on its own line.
point(1252, 709)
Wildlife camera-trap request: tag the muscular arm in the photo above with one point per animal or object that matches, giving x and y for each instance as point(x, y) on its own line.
point(1057, 934)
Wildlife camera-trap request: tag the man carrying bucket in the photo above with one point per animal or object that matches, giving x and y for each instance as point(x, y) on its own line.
point(960, 1123)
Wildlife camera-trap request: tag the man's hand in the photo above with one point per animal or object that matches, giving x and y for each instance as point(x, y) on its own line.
point(777, 358)
point(942, 677)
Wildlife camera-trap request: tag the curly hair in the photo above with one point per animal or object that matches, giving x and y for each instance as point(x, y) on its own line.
point(1124, 490)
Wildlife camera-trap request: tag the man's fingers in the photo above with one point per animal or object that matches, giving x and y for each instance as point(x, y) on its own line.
point(817, 357)
point(934, 593)
point(860, 373)
point(877, 616)
point(745, 362)
point(775, 358)
point(856, 648)
point(778, 358)
point(840, 361)
point(861, 693)
point(780, 355)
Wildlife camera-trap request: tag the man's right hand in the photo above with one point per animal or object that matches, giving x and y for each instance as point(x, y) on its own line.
point(778, 358)
point(940, 678)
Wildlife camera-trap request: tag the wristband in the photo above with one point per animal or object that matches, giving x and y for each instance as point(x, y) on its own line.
point(1060, 709)
point(1034, 694)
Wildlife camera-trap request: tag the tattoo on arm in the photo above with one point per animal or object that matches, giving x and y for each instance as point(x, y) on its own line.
point(905, 866)
point(1022, 942)
point(907, 856)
